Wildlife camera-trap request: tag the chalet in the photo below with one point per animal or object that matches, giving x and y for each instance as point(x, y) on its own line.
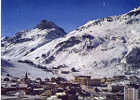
point(8, 90)
point(3, 84)
point(61, 79)
point(112, 96)
point(53, 79)
point(75, 85)
point(134, 79)
point(20, 94)
point(46, 80)
point(94, 82)
point(119, 78)
point(53, 97)
point(50, 86)
point(14, 85)
point(59, 89)
point(83, 80)
point(109, 80)
point(14, 79)
point(58, 79)
point(115, 88)
point(37, 91)
point(103, 80)
point(47, 93)
point(22, 85)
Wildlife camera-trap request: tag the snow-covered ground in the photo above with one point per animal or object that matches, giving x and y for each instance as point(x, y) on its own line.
point(17, 69)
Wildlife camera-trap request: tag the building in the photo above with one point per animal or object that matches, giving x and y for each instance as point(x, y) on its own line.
point(94, 82)
point(83, 80)
point(132, 92)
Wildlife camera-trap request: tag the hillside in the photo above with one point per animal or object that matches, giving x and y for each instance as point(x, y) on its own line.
point(101, 48)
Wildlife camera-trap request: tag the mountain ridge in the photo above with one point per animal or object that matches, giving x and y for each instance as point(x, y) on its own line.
point(40, 36)
point(103, 45)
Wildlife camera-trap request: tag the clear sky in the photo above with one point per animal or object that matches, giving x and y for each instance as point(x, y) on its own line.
point(18, 15)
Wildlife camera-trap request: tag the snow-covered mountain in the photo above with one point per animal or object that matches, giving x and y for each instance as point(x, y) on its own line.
point(100, 48)
point(24, 42)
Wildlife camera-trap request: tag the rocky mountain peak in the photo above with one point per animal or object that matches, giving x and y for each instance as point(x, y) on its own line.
point(46, 29)
point(134, 12)
point(45, 24)
point(25, 42)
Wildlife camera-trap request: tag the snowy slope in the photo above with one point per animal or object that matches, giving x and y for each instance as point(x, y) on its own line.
point(100, 48)
point(24, 42)
point(16, 69)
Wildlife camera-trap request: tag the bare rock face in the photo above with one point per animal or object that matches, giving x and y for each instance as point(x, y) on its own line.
point(45, 24)
point(134, 12)
point(133, 58)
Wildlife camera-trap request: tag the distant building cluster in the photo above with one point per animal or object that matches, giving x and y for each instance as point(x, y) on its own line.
point(81, 88)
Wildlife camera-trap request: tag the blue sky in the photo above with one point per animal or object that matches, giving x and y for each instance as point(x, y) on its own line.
point(18, 15)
